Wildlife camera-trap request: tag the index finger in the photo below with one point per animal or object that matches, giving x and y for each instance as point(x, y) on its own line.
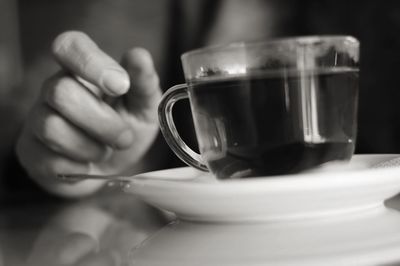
point(76, 52)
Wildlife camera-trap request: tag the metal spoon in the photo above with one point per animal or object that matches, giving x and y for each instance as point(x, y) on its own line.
point(122, 178)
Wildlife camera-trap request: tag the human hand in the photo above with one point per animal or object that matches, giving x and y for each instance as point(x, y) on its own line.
point(95, 116)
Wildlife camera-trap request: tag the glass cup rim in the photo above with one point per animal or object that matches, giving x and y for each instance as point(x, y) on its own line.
point(301, 40)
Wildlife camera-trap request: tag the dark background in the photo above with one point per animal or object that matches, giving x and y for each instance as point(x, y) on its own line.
point(167, 28)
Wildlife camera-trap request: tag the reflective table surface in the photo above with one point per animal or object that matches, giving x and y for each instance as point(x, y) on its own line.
point(114, 228)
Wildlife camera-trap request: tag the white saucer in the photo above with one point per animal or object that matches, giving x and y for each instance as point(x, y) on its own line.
point(195, 195)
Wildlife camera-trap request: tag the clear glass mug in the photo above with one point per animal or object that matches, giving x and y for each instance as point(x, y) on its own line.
point(268, 108)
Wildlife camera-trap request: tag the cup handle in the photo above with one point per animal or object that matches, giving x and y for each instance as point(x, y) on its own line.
point(168, 129)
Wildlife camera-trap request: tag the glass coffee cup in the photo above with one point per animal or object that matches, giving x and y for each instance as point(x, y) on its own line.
point(268, 108)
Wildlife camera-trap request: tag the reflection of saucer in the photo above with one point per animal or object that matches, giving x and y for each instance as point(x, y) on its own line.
point(197, 196)
point(366, 238)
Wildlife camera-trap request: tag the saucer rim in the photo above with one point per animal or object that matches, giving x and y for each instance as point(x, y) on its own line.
point(308, 181)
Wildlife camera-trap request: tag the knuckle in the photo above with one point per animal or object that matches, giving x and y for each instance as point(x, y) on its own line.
point(130, 55)
point(139, 55)
point(59, 93)
point(140, 51)
point(154, 79)
point(48, 130)
point(63, 42)
point(138, 60)
point(87, 61)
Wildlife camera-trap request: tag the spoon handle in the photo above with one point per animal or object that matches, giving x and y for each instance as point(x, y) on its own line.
point(94, 177)
point(121, 177)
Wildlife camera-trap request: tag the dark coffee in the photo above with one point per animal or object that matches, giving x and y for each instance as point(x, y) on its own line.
point(262, 124)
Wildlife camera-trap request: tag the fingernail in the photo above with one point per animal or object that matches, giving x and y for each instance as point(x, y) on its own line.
point(116, 82)
point(124, 140)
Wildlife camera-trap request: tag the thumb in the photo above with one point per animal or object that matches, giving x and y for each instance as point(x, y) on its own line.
point(144, 95)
